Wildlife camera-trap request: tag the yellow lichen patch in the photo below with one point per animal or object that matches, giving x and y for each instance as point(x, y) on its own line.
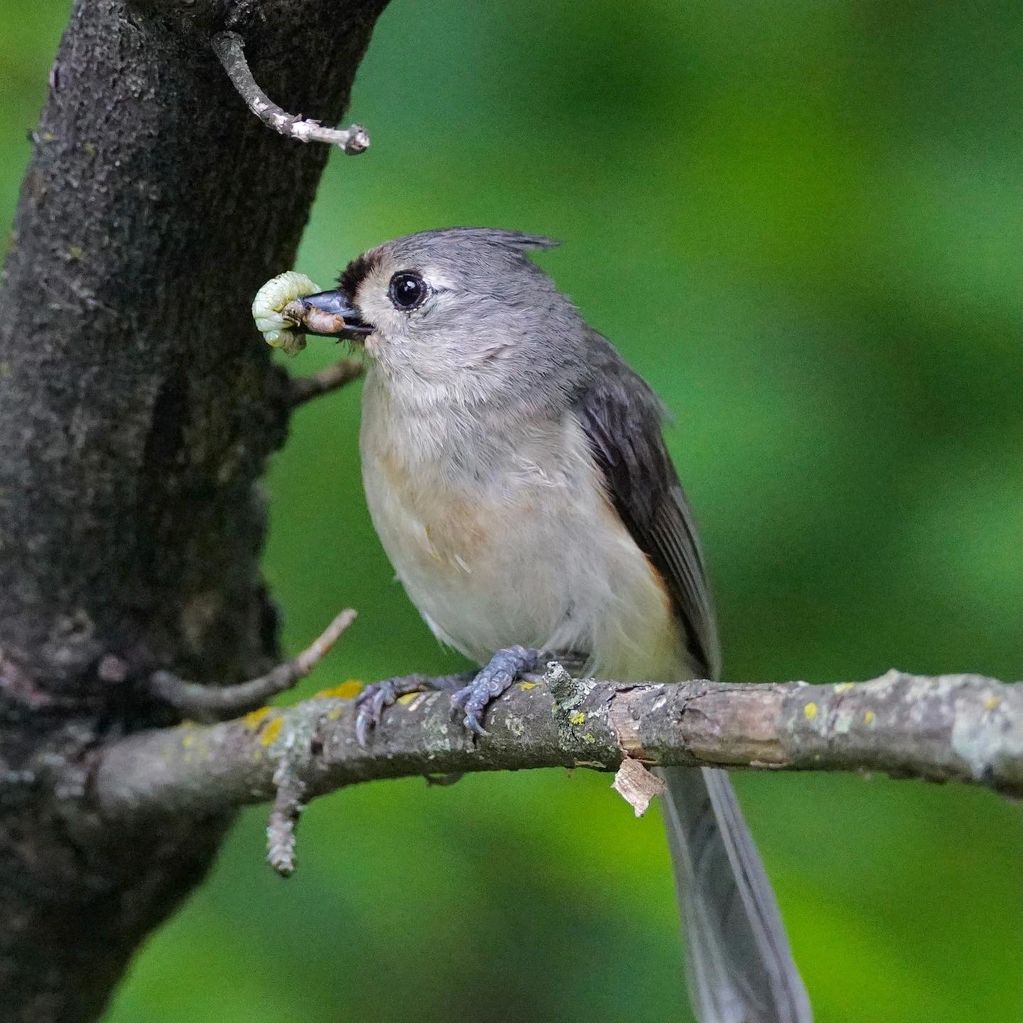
point(268, 736)
point(187, 738)
point(844, 687)
point(255, 718)
point(589, 737)
point(810, 711)
point(992, 703)
point(577, 717)
point(526, 686)
point(869, 717)
point(407, 698)
point(347, 690)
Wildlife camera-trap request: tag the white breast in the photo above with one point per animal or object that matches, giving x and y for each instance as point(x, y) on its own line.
point(510, 538)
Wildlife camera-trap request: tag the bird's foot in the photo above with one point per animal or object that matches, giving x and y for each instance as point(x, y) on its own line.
point(371, 703)
point(502, 670)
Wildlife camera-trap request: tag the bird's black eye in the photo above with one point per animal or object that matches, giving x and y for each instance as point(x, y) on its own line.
point(407, 290)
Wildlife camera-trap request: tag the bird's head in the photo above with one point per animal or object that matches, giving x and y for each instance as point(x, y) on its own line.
point(456, 314)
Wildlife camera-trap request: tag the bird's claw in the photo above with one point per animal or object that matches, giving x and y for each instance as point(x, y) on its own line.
point(371, 703)
point(473, 699)
point(369, 708)
point(491, 681)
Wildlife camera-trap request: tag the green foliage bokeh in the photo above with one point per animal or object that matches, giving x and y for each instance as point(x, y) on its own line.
point(801, 222)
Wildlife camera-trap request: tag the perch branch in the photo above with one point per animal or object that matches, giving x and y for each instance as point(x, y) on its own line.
point(303, 389)
point(203, 702)
point(230, 49)
point(948, 728)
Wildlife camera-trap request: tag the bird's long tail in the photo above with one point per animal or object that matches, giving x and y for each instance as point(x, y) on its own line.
point(739, 964)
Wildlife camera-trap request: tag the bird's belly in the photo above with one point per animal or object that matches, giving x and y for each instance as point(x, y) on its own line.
point(541, 560)
point(472, 572)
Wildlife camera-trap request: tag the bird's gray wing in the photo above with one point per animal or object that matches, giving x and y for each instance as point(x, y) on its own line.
point(622, 418)
point(739, 964)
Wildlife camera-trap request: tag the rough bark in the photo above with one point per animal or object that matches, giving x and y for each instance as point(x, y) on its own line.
point(137, 411)
point(950, 728)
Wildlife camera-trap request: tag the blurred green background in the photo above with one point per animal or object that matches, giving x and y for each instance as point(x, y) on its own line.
point(802, 223)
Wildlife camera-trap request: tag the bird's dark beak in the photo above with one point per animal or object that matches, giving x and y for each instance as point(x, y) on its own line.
point(328, 314)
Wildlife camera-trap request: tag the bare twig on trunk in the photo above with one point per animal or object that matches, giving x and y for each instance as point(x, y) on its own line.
point(303, 389)
point(230, 49)
point(203, 702)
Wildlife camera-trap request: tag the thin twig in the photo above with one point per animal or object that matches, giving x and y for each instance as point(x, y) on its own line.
point(230, 49)
point(287, 808)
point(202, 702)
point(303, 389)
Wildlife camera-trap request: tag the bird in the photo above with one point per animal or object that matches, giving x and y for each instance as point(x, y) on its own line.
point(516, 472)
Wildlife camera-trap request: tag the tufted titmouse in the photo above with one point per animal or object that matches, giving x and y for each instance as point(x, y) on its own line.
point(516, 474)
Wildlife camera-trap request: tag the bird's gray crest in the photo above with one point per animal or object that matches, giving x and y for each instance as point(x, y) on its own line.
point(470, 248)
point(453, 245)
point(448, 239)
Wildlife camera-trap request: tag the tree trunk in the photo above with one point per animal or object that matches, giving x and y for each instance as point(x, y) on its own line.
point(137, 410)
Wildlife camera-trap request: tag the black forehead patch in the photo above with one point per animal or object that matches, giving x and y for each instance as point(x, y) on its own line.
point(355, 273)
